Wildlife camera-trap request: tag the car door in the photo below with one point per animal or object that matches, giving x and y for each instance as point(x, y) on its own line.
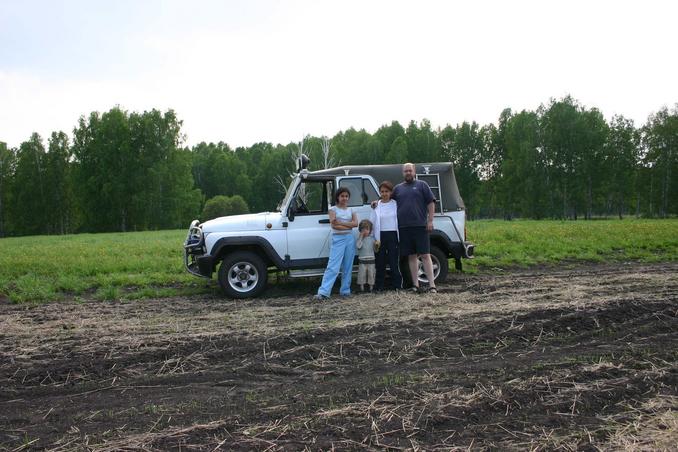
point(363, 192)
point(308, 234)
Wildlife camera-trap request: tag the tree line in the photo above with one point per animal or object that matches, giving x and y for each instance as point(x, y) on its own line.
point(125, 171)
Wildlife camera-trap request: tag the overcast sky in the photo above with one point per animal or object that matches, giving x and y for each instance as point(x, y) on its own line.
point(249, 71)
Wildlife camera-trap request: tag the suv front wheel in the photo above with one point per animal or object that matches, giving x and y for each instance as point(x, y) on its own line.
point(243, 275)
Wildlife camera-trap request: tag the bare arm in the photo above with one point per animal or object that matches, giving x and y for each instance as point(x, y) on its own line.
point(431, 212)
point(342, 225)
point(338, 224)
point(334, 222)
point(354, 221)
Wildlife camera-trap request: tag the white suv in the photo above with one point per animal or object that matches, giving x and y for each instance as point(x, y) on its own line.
point(296, 237)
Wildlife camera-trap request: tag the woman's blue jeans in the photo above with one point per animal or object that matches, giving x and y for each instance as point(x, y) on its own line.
point(342, 253)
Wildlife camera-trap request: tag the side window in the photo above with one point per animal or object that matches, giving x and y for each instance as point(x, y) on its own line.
point(362, 190)
point(355, 187)
point(311, 198)
point(369, 191)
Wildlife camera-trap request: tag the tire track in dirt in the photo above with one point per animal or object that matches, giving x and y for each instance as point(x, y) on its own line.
point(528, 359)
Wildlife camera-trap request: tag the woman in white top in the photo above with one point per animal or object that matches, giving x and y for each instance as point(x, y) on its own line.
point(342, 251)
point(385, 220)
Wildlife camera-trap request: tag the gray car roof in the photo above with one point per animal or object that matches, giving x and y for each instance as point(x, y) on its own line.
point(449, 192)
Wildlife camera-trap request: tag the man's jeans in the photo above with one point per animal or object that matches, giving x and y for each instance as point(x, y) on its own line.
point(342, 253)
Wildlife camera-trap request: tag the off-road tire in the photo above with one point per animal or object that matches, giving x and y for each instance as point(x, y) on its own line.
point(243, 274)
point(437, 256)
point(441, 257)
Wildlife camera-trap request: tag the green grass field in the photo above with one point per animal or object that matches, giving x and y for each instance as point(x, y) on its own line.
point(524, 243)
point(149, 264)
point(105, 266)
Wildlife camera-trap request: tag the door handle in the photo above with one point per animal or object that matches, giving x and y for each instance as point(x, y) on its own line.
point(324, 221)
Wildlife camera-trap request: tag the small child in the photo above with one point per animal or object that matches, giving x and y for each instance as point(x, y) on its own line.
point(366, 246)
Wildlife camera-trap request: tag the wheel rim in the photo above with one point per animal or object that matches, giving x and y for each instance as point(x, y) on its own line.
point(421, 275)
point(243, 277)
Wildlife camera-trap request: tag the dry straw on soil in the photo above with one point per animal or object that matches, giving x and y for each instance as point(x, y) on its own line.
point(540, 360)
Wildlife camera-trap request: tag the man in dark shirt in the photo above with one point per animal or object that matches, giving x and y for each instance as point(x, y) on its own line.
point(416, 207)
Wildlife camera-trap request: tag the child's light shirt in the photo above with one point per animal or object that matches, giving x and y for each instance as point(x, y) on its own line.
point(342, 215)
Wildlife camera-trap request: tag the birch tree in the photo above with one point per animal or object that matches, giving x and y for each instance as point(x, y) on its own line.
point(328, 159)
point(661, 140)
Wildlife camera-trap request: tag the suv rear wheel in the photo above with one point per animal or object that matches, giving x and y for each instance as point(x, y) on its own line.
point(243, 275)
point(439, 260)
point(440, 270)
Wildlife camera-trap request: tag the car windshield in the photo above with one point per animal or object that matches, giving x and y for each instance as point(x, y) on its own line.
point(290, 189)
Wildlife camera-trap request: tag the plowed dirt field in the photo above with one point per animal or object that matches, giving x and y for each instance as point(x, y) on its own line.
point(583, 358)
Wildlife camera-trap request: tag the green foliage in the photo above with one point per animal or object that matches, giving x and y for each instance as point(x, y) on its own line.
point(621, 154)
point(660, 137)
point(61, 215)
point(127, 171)
point(112, 266)
point(566, 161)
point(30, 207)
point(398, 151)
point(130, 172)
point(221, 206)
point(523, 185)
point(463, 146)
point(218, 171)
point(7, 171)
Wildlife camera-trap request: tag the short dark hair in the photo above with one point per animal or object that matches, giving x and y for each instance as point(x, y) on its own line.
point(365, 224)
point(386, 184)
point(340, 191)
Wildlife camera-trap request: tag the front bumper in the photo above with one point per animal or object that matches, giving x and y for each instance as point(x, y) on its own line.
point(198, 264)
point(196, 261)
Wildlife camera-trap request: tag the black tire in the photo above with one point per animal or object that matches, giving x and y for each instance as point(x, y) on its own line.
point(405, 273)
point(439, 259)
point(243, 274)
